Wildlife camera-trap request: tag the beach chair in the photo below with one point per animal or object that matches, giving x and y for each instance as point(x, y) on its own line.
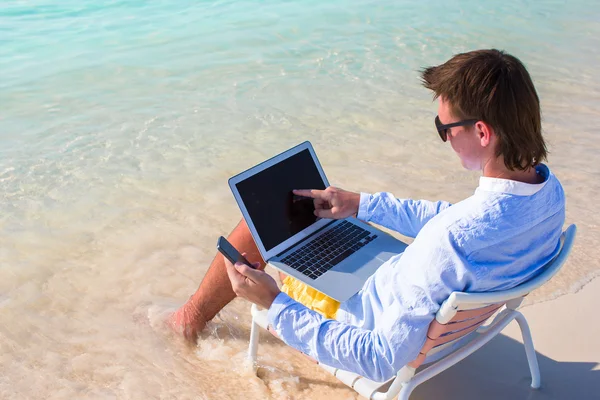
point(457, 331)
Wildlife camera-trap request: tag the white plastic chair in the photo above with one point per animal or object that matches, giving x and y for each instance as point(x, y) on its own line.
point(456, 332)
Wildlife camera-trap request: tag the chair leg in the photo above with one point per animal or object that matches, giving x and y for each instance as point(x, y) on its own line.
point(529, 350)
point(406, 390)
point(253, 346)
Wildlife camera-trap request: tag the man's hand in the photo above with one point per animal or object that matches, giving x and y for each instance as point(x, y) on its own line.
point(332, 202)
point(253, 285)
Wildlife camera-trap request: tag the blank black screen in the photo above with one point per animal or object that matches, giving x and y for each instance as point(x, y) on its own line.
point(276, 213)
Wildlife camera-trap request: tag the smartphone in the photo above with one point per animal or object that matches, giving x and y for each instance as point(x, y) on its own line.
point(231, 253)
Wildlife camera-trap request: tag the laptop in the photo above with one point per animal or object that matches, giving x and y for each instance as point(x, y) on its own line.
point(335, 257)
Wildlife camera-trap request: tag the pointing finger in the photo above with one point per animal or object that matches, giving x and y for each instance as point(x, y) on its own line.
point(314, 193)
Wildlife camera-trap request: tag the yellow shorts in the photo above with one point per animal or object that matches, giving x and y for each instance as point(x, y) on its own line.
point(310, 297)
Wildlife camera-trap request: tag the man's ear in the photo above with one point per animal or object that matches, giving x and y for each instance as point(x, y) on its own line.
point(485, 132)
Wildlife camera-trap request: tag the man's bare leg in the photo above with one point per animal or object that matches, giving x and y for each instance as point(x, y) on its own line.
point(215, 290)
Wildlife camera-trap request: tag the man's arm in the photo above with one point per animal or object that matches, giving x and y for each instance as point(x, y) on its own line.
point(401, 300)
point(375, 354)
point(404, 216)
point(401, 215)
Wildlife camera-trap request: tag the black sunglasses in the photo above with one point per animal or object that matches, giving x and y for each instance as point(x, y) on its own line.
point(443, 129)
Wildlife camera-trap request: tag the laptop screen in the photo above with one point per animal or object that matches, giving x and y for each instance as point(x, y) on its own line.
point(276, 212)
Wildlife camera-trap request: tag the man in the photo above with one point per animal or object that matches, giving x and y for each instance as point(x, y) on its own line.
point(496, 239)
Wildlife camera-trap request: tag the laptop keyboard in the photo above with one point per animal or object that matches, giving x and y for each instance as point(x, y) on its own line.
point(328, 249)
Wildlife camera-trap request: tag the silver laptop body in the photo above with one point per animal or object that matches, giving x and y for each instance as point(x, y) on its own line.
point(334, 257)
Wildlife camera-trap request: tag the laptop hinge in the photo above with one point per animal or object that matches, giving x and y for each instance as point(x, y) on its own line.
point(306, 238)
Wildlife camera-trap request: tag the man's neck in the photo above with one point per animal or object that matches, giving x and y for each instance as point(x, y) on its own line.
point(497, 169)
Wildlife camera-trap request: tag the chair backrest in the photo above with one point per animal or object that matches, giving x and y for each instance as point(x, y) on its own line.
point(463, 313)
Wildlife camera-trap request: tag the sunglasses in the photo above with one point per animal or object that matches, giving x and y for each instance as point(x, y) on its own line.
point(443, 129)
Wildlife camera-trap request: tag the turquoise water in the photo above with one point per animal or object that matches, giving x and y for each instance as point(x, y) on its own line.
point(61, 60)
point(121, 121)
point(70, 69)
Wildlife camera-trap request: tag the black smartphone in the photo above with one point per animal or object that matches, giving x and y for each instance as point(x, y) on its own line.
point(231, 253)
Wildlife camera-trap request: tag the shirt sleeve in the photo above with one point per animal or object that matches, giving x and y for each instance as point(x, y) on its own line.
point(400, 329)
point(375, 354)
point(401, 215)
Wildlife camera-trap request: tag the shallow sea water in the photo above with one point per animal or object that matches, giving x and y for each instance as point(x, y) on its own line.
point(121, 122)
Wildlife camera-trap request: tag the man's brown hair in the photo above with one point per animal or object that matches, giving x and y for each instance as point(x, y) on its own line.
point(494, 87)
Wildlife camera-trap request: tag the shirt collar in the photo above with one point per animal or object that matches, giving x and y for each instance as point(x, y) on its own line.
point(514, 187)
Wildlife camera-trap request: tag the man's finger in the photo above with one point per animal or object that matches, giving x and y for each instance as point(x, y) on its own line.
point(314, 193)
point(324, 213)
point(321, 204)
point(256, 265)
point(233, 274)
point(250, 273)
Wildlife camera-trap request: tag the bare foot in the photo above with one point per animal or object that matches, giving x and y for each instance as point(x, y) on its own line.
point(187, 322)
